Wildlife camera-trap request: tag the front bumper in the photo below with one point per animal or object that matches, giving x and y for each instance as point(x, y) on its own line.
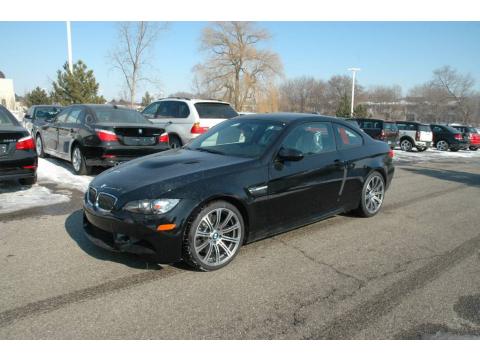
point(134, 233)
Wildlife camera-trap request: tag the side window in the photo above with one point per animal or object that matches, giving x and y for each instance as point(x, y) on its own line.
point(74, 116)
point(311, 138)
point(183, 110)
point(347, 138)
point(168, 109)
point(151, 109)
point(62, 116)
point(436, 129)
point(401, 126)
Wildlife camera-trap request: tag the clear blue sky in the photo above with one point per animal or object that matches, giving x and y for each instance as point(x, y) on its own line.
point(403, 53)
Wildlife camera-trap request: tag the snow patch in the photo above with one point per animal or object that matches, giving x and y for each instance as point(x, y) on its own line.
point(60, 173)
point(16, 198)
point(433, 154)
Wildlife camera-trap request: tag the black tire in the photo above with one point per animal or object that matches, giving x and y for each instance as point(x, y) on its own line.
point(189, 255)
point(406, 145)
point(453, 150)
point(39, 146)
point(28, 181)
point(362, 209)
point(175, 141)
point(421, 149)
point(81, 168)
point(473, 148)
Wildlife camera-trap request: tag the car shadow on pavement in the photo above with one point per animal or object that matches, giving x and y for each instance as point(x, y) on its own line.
point(470, 179)
point(12, 186)
point(96, 170)
point(74, 227)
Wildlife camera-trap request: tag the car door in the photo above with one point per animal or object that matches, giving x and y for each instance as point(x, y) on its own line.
point(50, 131)
point(67, 131)
point(353, 156)
point(302, 190)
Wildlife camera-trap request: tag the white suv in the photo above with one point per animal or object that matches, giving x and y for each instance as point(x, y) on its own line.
point(185, 119)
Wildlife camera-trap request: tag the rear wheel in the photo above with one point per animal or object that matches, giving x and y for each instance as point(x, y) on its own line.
point(175, 141)
point(442, 145)
point(78, 162)
point(373, 193)
point(406, 145)
point(214, 236)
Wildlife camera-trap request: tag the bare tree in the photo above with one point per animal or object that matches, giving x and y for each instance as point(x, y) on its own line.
point(458, 87)
point(236, 68)
point(303, 94)
point(133, 53)
point(384, 94)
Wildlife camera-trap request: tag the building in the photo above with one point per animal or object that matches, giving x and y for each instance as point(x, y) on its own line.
point(7, 92)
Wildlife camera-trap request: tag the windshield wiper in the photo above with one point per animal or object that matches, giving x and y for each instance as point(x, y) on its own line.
point(209, 151)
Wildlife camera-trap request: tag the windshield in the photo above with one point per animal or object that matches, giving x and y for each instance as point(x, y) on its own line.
point(46, 113)
point(245, 138)
point(119, 116)
point(215, 110)
point(6, 118)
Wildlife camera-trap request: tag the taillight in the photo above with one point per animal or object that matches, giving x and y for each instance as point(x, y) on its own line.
point(25, 143)
point(382, 135)
point(391, 154)
point(164, 138)
point(417, 136)
point(197, 129)
point(106, 136)
point(458, 137)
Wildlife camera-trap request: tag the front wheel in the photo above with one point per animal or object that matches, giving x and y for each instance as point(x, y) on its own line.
point(214, 236)
point(78, 162)
point(373, 193)
point(39, 147)
point(442, 145)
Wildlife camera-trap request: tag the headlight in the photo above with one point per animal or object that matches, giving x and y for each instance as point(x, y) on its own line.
point(156, 206)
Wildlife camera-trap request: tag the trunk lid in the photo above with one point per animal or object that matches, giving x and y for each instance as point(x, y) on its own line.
point(133, 135)
point(8, 138)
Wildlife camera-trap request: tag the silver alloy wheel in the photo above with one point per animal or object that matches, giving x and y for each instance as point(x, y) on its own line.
point(442, 145)
point(406, 145)
point(374, 194)
point(39, 145)
point(77, 159)
point(217, 237)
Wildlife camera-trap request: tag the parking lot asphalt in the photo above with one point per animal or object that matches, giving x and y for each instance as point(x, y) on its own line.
point(412, 271)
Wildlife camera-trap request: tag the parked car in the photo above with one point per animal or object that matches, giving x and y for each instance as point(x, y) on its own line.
point(38, 115)
point(380, 130)
point(446, 137)
point(18, 159)
point(471, 133)
point(245, 179)
point(184, 119)
point(99, 135)
point(414, 135)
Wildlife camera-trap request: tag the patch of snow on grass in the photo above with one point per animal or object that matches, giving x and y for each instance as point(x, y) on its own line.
point(433, 154)
point(14, 197)
point(60, 172)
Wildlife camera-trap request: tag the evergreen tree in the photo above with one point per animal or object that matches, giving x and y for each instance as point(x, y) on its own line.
point(147, 99)
point(360, 111)
point(343, 109)
point(37, 96)
point(76, 87)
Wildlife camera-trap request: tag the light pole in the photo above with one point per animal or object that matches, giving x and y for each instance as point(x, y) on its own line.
point(69, 46)
point(354, 71)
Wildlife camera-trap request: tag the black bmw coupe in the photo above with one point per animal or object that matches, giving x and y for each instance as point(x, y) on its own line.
point(246, 179)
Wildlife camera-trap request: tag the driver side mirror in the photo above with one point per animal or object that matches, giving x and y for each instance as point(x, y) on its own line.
point(290, 154)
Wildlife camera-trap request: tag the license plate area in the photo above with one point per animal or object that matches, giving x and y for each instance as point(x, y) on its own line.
point(139, 141)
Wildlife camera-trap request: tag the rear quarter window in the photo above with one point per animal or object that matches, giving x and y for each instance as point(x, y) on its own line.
point(424, 128)
point(347, 138)
point(215, 110)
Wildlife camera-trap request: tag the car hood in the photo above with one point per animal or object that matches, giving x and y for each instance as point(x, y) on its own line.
point(163, 172)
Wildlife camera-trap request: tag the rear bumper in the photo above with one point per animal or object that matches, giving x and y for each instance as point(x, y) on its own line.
point(113, 155)
point(459, 146)
point(14, 168)
point(17, 175)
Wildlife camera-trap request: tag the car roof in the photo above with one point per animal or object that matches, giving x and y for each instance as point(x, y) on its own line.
point(286, 117)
